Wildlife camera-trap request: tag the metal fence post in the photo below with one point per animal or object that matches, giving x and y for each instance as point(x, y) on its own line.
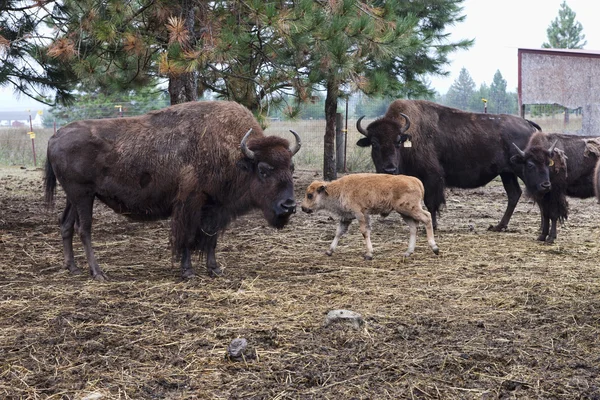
point(339, 143)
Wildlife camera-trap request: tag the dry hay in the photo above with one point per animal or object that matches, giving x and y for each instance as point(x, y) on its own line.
point(496, 315)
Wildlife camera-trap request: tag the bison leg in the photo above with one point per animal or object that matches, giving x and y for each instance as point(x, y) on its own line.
point(434, 196)
point(211, 258)
point(513, 192)
point(85, 207)
point(545, 225)
point(341, 230)
point(425, 218)
point(552, 236)
point(187, 271)
point(67, 222)
point(412, 241)
point(364, 221)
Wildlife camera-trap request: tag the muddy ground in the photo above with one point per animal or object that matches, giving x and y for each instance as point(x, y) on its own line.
point(495, 315)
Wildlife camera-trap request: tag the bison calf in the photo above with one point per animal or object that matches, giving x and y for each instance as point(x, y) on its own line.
point(359, 195)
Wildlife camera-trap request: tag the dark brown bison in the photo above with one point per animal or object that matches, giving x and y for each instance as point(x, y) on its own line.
point(191, 162)
point(555, 166)
point(597, 181)
point(443, 146)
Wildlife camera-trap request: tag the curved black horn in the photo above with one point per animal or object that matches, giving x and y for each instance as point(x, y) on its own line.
point(551, 149)
point(360, 128)
point(405, 128)
point(521, 152)
point(247, 152)
point(294, 149)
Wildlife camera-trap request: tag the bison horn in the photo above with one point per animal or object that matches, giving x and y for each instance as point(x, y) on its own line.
point(247, 152)
point(360, 128)
point(551, 149)
point(521, 152)
point(296, 147)
point(405, 128)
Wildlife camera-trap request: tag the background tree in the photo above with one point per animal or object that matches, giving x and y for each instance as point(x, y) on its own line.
point(23, 63)
point(498, 101)
point(461, 92)
point(564, 32)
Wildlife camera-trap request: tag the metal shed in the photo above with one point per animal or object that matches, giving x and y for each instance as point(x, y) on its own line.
point(567, 77)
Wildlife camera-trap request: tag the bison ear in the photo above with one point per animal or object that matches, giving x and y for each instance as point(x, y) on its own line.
point(245, 165)
point(364, 142)
point(517, 159)
point(322, 189)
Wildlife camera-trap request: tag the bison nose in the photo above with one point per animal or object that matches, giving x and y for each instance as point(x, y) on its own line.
point(390, 170)
point(288, 206)
point(546, 186)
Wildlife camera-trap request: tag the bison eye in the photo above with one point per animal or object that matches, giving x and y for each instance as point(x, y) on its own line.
point(309, 196)
point(530, 165)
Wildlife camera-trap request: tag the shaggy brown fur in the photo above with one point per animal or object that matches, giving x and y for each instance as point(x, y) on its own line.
point(551, 176)
point(450, 147)
point(360, 195)
point(183, 161)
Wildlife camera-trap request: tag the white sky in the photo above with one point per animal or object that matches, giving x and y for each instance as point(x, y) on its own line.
point(499, 28)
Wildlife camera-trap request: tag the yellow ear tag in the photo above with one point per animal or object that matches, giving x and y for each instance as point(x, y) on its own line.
point(408, 143)
point(551, 163)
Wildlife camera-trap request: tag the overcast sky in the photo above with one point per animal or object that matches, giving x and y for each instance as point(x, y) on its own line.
point(499, 28)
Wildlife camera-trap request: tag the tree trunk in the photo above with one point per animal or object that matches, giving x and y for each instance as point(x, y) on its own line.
point(184, 87)
point(329, 170)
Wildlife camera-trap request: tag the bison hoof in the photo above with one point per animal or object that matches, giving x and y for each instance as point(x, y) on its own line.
point(188, 274)
point(368, 257)
point(215, 272)
point(100, 277)
point(436, 250)
point(329, 253)
point(497, 228)
point(541, 238)
point(74, 270)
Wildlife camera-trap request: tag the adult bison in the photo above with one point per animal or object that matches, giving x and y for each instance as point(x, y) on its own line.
point(201, 163)
point(555, 166)
point(447, 147)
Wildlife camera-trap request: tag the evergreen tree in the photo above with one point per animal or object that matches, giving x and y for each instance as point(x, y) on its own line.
point(564, 32)
point(461, 91)
point(23, 63)
point(498, 99)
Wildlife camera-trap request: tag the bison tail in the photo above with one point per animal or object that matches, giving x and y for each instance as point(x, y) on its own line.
point(49, 184)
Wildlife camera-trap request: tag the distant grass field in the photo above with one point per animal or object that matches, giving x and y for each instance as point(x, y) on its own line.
point(16, 146)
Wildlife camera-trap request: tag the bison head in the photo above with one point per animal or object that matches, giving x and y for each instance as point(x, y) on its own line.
point(314, 197)
point(385, 136)
point(536, 162)
point(269, 162)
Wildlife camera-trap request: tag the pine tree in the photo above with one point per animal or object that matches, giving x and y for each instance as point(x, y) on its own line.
point(564, 32)
point(23, 63)
point(498, 99)
point(461, 91)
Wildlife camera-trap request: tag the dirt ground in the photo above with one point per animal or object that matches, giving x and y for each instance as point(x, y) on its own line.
point(495, 315)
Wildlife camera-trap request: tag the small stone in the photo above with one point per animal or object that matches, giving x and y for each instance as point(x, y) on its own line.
point(236, 348)
point(344, 316)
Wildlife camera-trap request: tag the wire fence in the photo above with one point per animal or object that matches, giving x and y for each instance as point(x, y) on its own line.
point(19, 148)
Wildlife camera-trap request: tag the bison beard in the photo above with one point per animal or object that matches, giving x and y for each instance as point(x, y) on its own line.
point(191, 162)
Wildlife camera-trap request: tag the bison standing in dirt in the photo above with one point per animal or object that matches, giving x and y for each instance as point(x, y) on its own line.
point(200, 163)
point(360, 195)
point(555, 166)
point(447, 147)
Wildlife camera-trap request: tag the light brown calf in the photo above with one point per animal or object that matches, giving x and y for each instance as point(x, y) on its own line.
point(359, 195)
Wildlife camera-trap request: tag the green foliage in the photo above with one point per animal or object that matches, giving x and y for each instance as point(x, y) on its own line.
point(462, 95)
point(461, 91)
point(564, 32)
